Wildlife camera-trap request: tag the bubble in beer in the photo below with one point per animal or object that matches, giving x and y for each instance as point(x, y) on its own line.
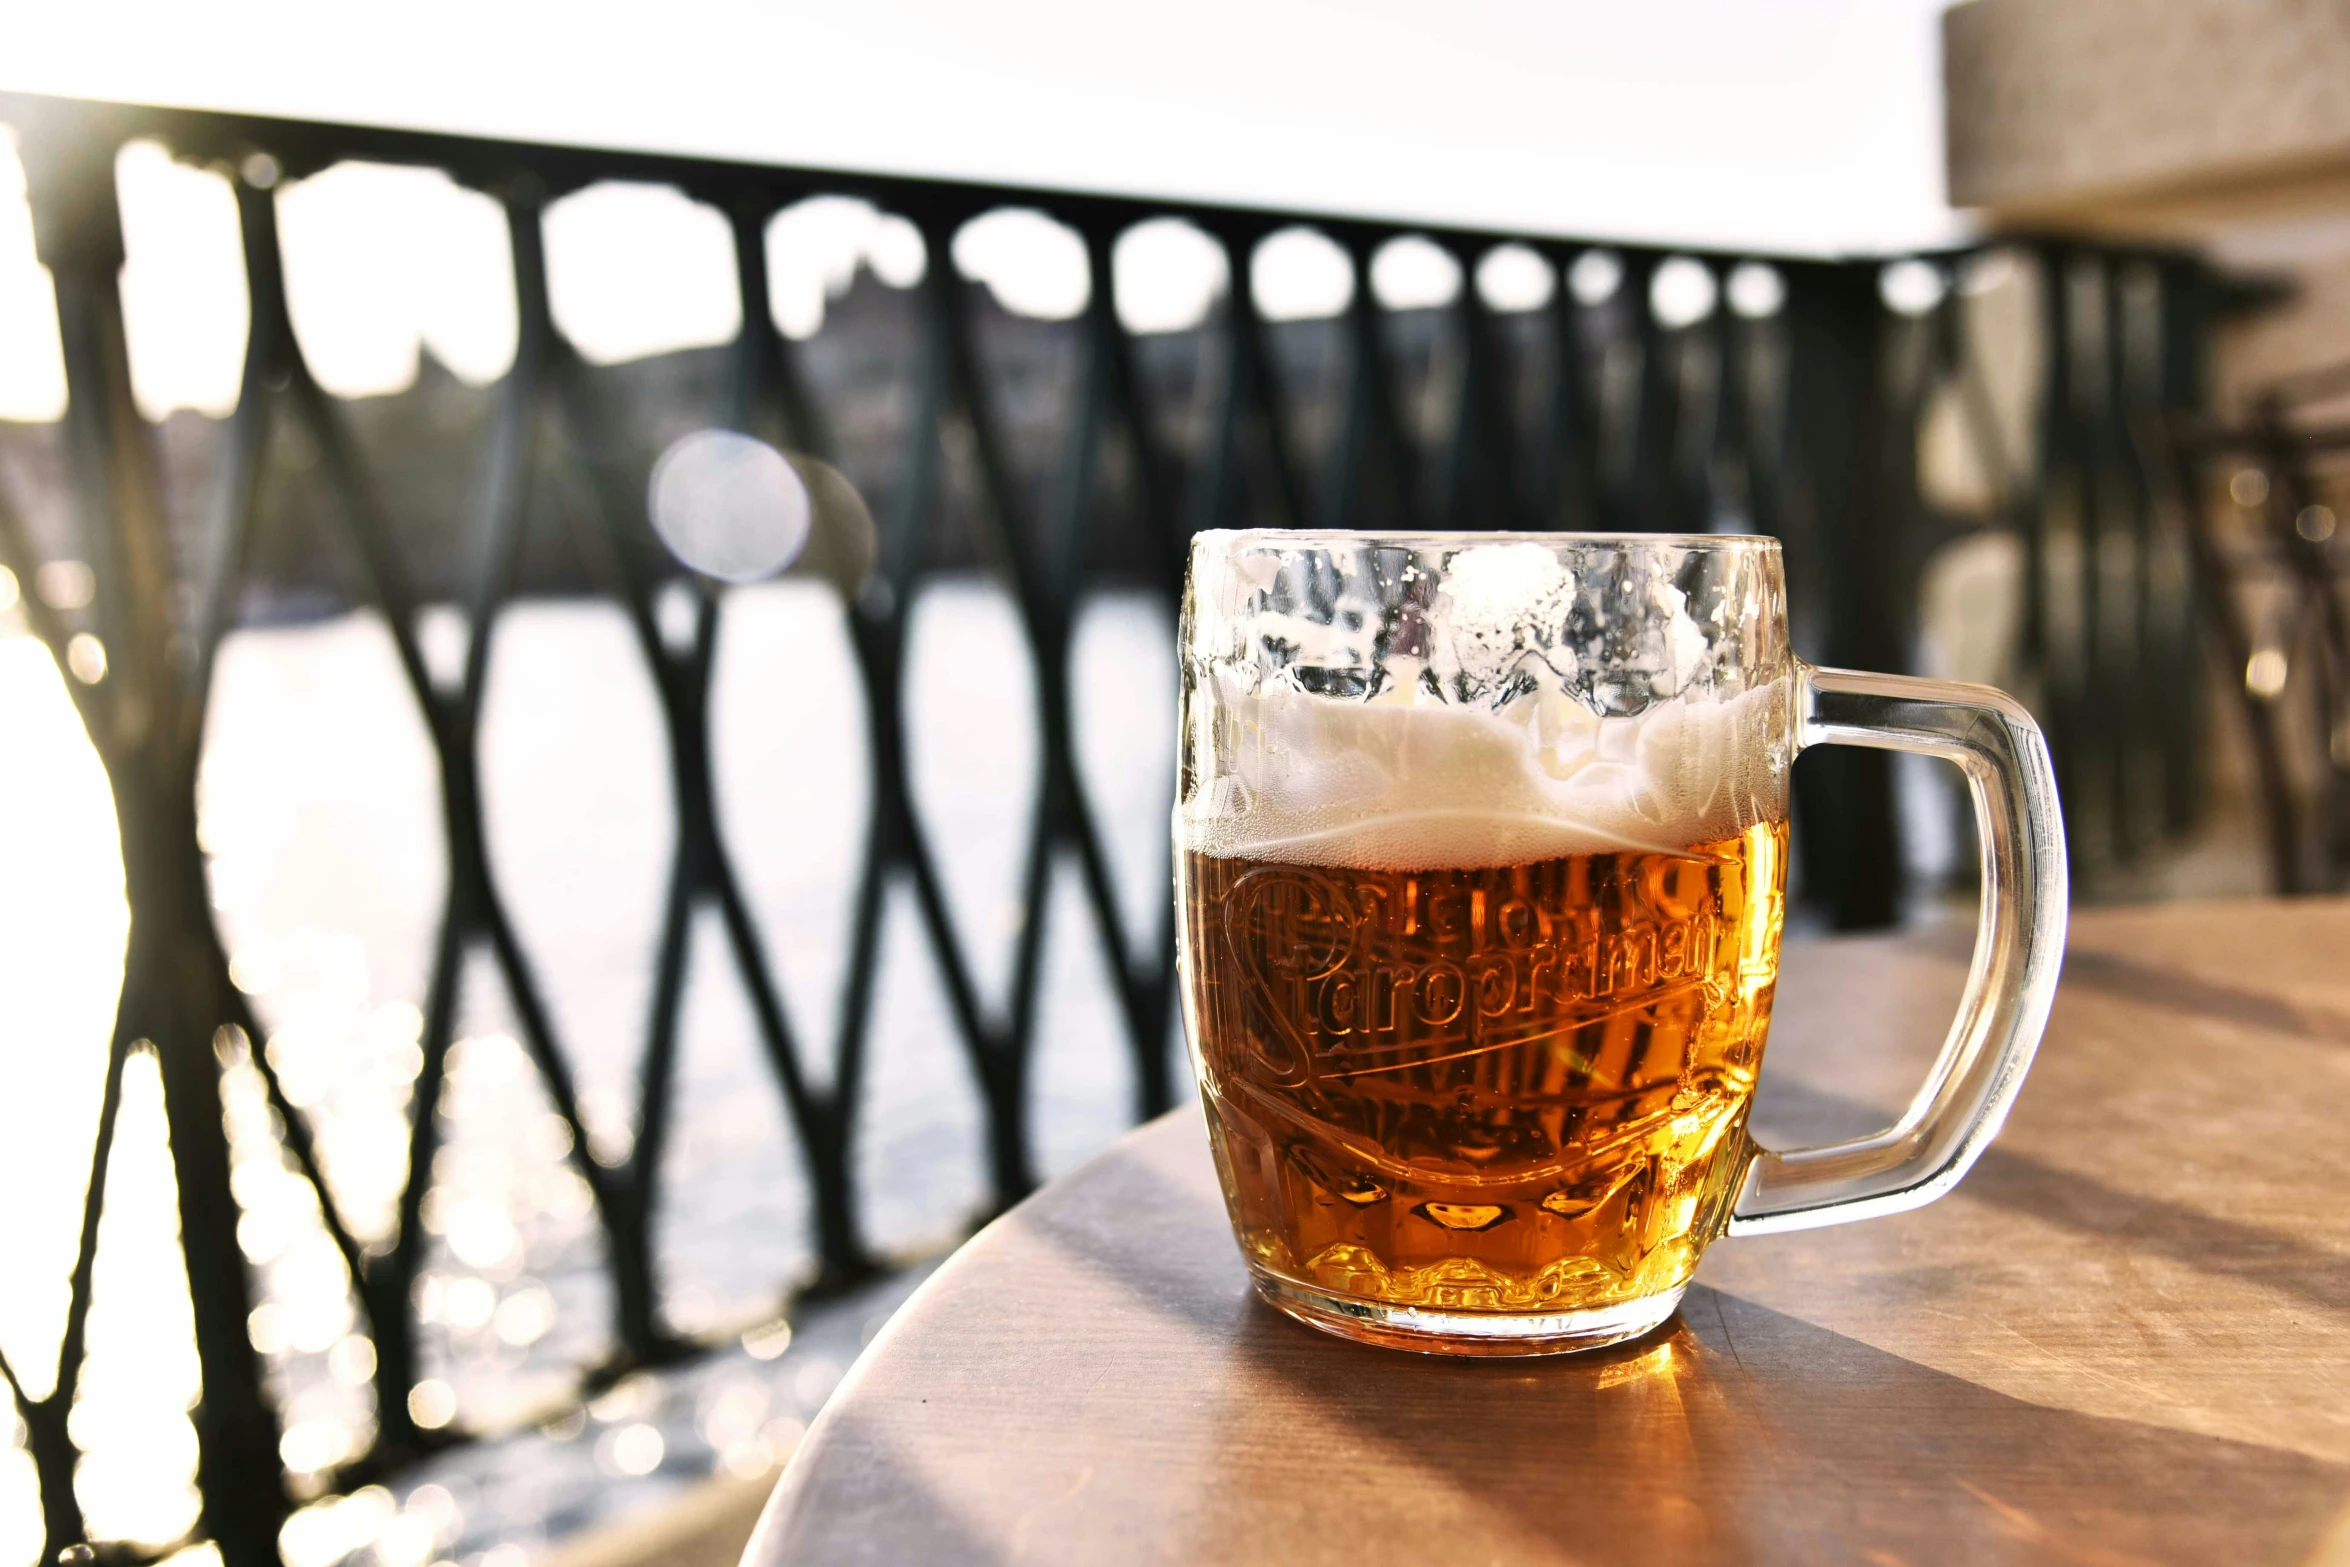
point(730, 506)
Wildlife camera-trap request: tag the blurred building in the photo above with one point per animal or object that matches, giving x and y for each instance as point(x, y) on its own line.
point(2216, 123)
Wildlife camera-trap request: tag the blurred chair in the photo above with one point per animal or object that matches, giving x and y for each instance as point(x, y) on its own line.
point(2263, 500)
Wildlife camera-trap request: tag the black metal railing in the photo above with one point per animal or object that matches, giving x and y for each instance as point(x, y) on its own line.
point(2262, 501)
point(1800, 420)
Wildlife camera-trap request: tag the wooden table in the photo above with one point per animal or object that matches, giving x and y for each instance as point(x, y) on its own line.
point(2125, 1338)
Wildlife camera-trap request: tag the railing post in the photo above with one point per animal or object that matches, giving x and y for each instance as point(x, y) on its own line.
point(1644, 500)
point(1478, 484)
point(1851, 858)
point(1564, 460)
point(2182, 304)
point(172, 980)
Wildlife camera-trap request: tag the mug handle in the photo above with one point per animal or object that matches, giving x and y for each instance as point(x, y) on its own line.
point(2019, 945)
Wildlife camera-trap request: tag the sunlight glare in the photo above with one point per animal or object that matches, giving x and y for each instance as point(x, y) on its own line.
point(1413, 272)
point(184, 308)
point(60, 967)
point(815, 247)
point(20, 1496)
point(136, 1480)
point(1167, 275)
point(1301, 275)
point(1515, 278)
point(1033, 265)
point(32, 359)
point(1682, 292)
point(635, 270)
point(382, 262)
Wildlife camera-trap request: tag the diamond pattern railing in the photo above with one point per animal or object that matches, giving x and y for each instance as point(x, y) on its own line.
point(1800, 421)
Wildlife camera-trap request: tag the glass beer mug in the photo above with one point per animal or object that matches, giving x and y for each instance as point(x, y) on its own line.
point(1481, 843)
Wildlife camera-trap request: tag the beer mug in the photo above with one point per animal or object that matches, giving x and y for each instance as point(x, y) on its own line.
point(1481, 844)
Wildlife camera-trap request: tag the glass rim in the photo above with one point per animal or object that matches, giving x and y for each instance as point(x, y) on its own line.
point(1357, 538)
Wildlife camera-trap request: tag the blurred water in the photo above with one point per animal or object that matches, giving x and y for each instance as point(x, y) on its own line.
point(319, 811)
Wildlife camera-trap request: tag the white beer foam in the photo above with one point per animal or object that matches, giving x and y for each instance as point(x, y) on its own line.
point(1417, 784)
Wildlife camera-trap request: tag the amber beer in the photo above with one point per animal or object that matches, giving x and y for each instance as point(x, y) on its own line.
point(1511, 1089)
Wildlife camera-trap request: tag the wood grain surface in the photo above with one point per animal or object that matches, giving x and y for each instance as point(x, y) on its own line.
point(2126, 1337)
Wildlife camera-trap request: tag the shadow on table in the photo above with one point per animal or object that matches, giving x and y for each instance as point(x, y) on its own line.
point(2136, 1221)
point(1734, 1433)
point(1706, 1442)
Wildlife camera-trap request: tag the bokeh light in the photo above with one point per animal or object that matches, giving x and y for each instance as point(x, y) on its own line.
point(1594, 277)
point(729, 505)
point(1514, 278)
point(1168, 275)
point(1682, 292)
point(1301, 275)
point(1413, 272)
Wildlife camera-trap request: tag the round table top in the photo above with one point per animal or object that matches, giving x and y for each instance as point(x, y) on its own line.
point(2126, 1337)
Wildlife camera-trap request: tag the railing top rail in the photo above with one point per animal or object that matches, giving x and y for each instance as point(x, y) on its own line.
point(494, 163)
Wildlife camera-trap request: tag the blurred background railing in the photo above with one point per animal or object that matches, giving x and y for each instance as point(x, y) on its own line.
point(2261, 497)
point(446, 1165)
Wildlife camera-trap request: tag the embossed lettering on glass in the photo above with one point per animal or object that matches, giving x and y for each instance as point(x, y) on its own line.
point(1482, 848)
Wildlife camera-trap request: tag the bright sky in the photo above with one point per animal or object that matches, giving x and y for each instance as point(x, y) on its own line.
point(1808, 125)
